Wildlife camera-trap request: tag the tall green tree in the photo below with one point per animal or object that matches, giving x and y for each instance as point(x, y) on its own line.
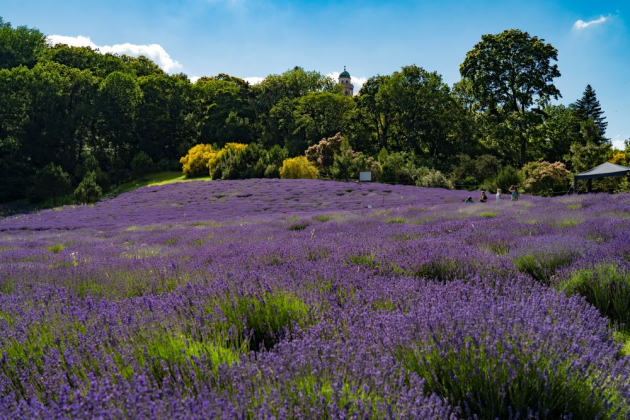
point(51, 181)
point(166, 121)
point(19, 46)
point(291, 84)
point(424, 111)
point(557, 134)
point(223, 111)
point(588, 107)
point(119, 98)
point(468, 117)
point(511, 73)
point(142, 66)
point(318, 115)
point(585, 157)
point(377, 112)
point(86, 58)
point(279, 124)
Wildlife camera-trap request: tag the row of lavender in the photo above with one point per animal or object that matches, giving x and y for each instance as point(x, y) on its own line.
point(311, 299)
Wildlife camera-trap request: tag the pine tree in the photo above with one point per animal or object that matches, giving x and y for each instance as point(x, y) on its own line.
point(588, 107)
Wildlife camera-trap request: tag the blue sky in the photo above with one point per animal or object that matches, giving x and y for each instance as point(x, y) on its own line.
point(255, 38)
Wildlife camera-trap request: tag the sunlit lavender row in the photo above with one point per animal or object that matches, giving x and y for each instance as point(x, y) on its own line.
point(313, 299)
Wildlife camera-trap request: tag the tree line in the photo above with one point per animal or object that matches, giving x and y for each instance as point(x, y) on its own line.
point(71, 113)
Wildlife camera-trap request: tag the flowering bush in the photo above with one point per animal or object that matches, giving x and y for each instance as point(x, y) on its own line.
point(619, 158)
point(434, 179)
point(195, 163)
point(322, 154)
point(298, 167)
point(546, 179)
point(228, 152)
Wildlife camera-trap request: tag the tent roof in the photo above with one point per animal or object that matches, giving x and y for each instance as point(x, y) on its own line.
point(604, 170)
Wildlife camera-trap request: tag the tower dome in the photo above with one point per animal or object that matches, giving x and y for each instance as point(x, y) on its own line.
point(346, 81)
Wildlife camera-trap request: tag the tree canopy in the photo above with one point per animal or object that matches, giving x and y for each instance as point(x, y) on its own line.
point(510, 73)
point(588, 107)
point(80, 111)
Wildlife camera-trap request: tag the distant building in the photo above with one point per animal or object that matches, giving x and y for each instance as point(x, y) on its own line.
point(344, 79)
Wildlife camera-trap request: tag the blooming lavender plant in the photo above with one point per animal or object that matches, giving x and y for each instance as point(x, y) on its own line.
point(312, 299)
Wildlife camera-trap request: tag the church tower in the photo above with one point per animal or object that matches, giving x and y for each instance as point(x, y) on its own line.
point(345, 81)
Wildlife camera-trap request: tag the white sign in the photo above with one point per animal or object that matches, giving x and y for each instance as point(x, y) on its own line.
point(365, 176)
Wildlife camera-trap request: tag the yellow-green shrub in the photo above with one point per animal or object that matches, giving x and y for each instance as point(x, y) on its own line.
point(195, 163)
point(298, 167)
point(229, 148)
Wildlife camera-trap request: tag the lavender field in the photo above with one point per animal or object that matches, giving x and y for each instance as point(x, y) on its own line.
point(313, 299)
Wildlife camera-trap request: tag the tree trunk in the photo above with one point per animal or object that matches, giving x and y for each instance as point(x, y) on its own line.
point(523, 151)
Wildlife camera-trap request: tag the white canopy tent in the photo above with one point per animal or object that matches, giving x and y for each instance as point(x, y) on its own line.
point(602, 171)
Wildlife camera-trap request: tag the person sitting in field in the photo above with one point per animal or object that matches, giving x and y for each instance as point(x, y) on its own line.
point(469, 200)
point(514, 191)
point(499, 198)
point(483, 198)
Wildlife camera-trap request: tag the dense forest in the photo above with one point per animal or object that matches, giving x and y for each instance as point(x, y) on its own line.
point(71, 115)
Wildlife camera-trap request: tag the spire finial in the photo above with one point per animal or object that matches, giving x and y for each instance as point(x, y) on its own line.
point(344, 68)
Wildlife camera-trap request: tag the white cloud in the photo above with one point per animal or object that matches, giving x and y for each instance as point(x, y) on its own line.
point(254, 80)
point(193, 79)
point(356, 81)
point(75, 41)
point(580, 24)
point(618, 141)
point(155, 52)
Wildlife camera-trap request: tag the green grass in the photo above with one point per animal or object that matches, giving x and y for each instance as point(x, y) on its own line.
point(384, 305)
point(442, 270)
point(543, 266)
point(499, 248)
point(607, 287)
point(182, 351)
point(623, 339)
point(367, 260)
point(266, 318)
point(568, 223)
point(472, 378)
point(299, 226)
point(56, 248)
point(158, 178)
point(8, 318)
point(326, 217)
point(346, 394)
point(395, 220)
point(162, 351)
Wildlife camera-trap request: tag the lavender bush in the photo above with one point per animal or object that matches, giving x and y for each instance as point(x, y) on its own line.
point(312, 299)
